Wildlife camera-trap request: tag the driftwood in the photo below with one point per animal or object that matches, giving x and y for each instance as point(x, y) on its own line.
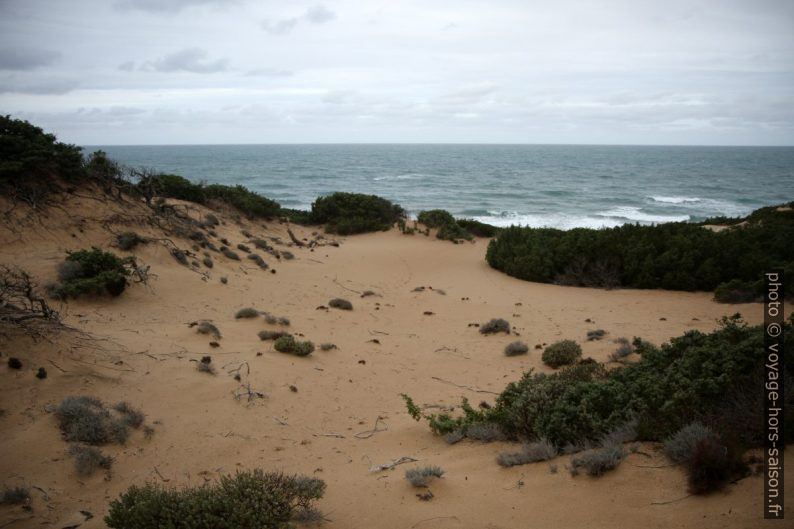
point(391, 464)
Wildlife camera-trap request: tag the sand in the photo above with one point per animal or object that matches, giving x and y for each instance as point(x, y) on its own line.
point(139, 348)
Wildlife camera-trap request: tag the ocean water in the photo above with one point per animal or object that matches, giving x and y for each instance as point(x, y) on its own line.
point(561, 186)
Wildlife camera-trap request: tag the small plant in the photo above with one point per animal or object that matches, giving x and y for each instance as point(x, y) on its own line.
point(599, 460)
point(205, 365)
point(681, 446)
point(88, 459)
point(230, 254)
point(494, 326)
point(131, 416)
point(271, 335)
point(595, 335)
point(339, 303)
point(180, 256)
point(564, 352)
point(327, 346)
point(516, 348)
point(256, 258)
point(128, 240)
point(41, 373)
point(243, 248)
point(288, 344)
point(14, 363)
point(93, 272)
point(541, 450)
point(485, 432)
point(625, 348)
point(85, 419)
point(420, 477)
point(249, 499)
point(350, 213)
point(712, 466)
point(205, 327)
point(208, 261)
point(14, 496)
point(247, 312)
point(287, 255)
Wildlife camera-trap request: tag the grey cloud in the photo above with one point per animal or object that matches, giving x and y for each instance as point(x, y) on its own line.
point(268, 72)
point(127, 66)
point(188, 60)
point(167, 6)
point(318, 14)
point(25, 58)
point(43, 87)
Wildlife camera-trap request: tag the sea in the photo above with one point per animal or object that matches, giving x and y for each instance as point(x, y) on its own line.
point(559, 186)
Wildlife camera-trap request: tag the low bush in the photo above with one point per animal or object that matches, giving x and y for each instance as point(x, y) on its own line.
point(478, 229)
point(248, 312)
point(596, 334)
point(244, 200)
point(448, 228)
point(564, 352)
point(738, 291)
point(599, 460)
point(229, 254)
point(14, 496)
point(541, 450)
point(713, 465)
point(93, 272)
point(208, 262)
point(128, 240)
point(88, 459)
point(271, 335)
point(494, 326)
point(516, 348)
point(625, 348)
point(256, 258)
point(206, 327)
point(131, 416)
point(327, 346)
point(86, 419)
point(288, 344)
point(339, 303)
point(243, 248)
point(14, 363)
point(350, 213)
point(420, 477)
point(205, 365)
point(249, 499)
point(681, 446)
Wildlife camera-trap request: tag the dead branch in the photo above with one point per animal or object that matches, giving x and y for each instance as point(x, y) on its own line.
point(366, 434)
point(391, 464)
point(476, 390)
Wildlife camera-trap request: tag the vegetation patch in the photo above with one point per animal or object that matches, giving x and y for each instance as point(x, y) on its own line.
point(87, 459)
point(541, 450)
point(14, 496)
point(249, 499)
point(494, 326)
point(248, 312)
point(562, 353)
point(448, 227)
point(350, 213)
point(92, 272)
point(86, 420)
point(420, 477)
point(288, 344)
point(516, 348)
point(339, 303)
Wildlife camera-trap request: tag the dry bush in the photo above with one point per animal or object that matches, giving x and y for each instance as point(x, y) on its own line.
point(271, 335)
point(88, 459)
point(248, 312)
point(14, 496)
point(420, 477)
point(494, 326)
point(541, 450)
point(339, 303)
point(516, 348)
point(205, 327)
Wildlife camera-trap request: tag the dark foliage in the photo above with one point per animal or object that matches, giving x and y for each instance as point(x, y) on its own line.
point(14, 363)
point(562, 353)
point(448, 227)
point(288, 344)
point(339, 303)
point(246, 201)
point(713, 464)
point(88, 459)
point(250, 499)
point(516, 348)
point(94, 272)
point(14, 496)
point(350, 213)
point(478, 229)
point(495, 325)
point(676, 256)
point(128, 240)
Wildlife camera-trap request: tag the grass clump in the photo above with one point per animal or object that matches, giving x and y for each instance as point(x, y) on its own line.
point(625, 348)
point(541, 450)
point(598, 461)
point(86, 419)
point(88, 459)
point(562, 353)
point(131, 416)
point(420, 477)
point(205, 327)
point(516, 348)
point(327, 346)
point(14, 496)
point(248, 312)
point(681, 446)
point(93, 272)
point(248, 499)
point(339, 303)
point(596, 334)
point(494, 326)
point(350, 213)
point(288, 344)
point(271, 335)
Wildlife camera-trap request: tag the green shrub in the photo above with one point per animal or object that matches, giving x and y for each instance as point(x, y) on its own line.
point(477, 228)
point(244, 200)
point(453, 232)
point(350, 213)
point(175, 186)
point(271, 335)
point(249, 499)
point(675, 256)
point(288, 344)
point(247, 312)
point(93, 272)
point(30, 159)
point(562, 353)
point(435, 218)
point(297, 216)
point(738, 291)
point(495, 325)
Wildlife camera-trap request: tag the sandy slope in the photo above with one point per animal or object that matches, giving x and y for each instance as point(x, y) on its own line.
point(145, 353)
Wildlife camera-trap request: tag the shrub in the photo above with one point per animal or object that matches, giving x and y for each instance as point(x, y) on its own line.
point(128, 240)
point(676, 256)
point(713, 465)
point(287, 255)
point(339, 303)
point(271, 335)
point(248, 312)
point(350, 213)
point(230, 254)
point(131, 416)
point(249, 499)
point(88, 459)
point(288, 344)
point(494, 326)
point(541, 450)
point(14, 496)
point(327, 346)
point(681, 446)
point(173, 186)
point(297, 216)
point(243, 248)
point(180, 256)
point(625, 348)
point(244, 200)
point(86, 420)
point(599, 460)
point(448, 228)
point(564, 352)
point(486, 432)
point(208, 262)
point(93, 272)
point(738, 291)
point(206, 327)
point(477, 228)
point(420, 477)
point(516, 348)
point(256, 258)
point(14, 363)
point(595, 335)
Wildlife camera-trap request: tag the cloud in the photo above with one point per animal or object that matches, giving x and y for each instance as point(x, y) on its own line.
point(188, 60)
point(167, 6)
point(268, 72)
point(127, 66)
point(318, 14)
point(25, 58)
point(43, 87)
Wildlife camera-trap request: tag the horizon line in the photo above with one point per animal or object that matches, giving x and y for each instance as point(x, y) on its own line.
point(435, 143)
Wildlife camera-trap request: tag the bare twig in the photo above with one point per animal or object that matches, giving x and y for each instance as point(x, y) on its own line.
point(391, 464)
point(369, 433)
point(476, 390)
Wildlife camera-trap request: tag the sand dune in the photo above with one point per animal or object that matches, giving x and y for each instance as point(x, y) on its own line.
point(139, 348)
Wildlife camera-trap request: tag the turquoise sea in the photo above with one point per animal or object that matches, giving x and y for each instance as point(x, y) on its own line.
point(562, 186)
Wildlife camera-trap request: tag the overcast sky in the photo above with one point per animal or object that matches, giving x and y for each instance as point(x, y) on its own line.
point(497, 71)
